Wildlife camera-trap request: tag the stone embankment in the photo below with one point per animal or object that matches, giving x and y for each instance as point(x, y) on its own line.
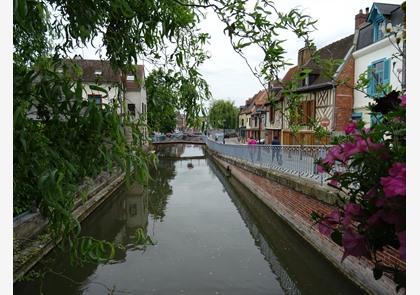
point(31, 242)
point(294, 199)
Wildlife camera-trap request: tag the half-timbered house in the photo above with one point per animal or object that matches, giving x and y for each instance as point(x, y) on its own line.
point(323, 97)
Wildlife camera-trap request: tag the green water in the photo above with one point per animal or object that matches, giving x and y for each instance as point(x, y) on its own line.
point(213, 237)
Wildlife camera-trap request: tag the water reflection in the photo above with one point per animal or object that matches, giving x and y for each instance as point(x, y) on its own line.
point(117, 221)
point(173, 150)
point(299, 268)
point(160, 188)
point(213, 237)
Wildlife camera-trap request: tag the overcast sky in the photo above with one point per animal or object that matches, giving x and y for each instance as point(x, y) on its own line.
point(227, 73)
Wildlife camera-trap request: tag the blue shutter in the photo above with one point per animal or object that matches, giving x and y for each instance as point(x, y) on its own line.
point(356, 116)
point(387, 70)
point(371, 84)
point(375, 118)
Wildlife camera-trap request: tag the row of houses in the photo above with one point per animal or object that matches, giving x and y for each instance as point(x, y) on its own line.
point(324, 98)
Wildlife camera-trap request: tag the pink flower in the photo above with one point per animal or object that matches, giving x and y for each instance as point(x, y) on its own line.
point(320, 169)
point(349, 149)
point(376, 217)
point(402, 100)
point(330, 222)
point(354, 244)
point(334, 183)
point(350, 128)
point(353, 209)
point(394, 185)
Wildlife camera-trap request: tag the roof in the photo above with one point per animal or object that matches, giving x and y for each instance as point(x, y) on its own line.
point(101, 70)
point(258, 100)
point(261, 98)
point(90, 66)
point(385, 8)
point(393, 14)
point(289, 75)
point(335, 50)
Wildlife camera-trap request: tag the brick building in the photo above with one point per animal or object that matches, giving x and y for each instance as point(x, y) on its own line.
point(323, 97)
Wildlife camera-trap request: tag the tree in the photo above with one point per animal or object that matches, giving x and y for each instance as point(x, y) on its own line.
point(60, 138)
point(221, 112)
point(162, 101)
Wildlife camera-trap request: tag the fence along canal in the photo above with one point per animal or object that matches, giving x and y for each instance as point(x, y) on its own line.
point(212, 237)
point(297, 160)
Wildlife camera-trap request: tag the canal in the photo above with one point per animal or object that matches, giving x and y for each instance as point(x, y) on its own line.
point(211, 235)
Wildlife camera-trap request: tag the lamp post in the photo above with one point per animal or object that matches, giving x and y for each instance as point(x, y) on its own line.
point(224, 130)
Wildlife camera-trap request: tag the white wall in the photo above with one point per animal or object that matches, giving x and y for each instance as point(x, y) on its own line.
point(137, 97)
point(112, 91)
point(132, 96)
point(362, 59)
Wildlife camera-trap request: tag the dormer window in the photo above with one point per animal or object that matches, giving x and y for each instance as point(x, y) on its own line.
point(98, 73)
point(378, 28)
point(378, 21)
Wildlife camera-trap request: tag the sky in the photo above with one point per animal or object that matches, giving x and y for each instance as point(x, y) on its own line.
point(227, 73)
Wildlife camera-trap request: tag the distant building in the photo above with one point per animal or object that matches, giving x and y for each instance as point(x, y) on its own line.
point(131, 98)
point(323, 99)
point(252, 117)
point(181, 122)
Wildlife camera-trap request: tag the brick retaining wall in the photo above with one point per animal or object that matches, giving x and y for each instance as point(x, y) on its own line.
point(295, 207)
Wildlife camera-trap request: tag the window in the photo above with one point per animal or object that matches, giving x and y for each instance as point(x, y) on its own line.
point(242, 123)
point(132, 109)
point(377, 29)
point(378, 75)
point(307, 111)
point(271, 114)
point(97, 98)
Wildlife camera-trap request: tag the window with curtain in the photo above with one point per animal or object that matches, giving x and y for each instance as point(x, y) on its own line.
point(378, 75)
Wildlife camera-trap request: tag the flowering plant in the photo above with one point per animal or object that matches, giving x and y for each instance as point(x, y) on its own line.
point(368, 166)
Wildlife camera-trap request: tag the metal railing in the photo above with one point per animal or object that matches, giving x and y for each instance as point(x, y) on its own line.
point(298, 160)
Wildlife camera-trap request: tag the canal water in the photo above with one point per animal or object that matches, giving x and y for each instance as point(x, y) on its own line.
point(211, 235)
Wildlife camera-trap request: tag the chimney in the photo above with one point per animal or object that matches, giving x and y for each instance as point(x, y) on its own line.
point(360, 18)
point(304, 55)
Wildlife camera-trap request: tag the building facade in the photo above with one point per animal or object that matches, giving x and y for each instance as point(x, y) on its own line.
point(375, 55)
point(325, 99)
point(128, 91)
point(252, 117)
